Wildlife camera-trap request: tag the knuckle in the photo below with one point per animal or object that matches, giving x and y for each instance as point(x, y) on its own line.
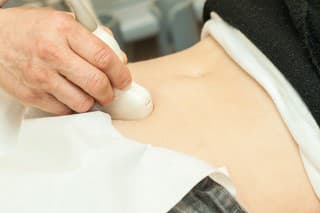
point(83, 104)
point(61, 21)
point(48, 51)
point(97, 83)
point(108, 98)
point(52, 85)
point(30, 97)
point(102, 58)
point(37, 78)
point(124, 79)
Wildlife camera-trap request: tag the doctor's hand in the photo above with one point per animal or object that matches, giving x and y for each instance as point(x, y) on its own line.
point(49, 61)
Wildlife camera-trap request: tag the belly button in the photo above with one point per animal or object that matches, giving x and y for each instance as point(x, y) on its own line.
point(199, 73)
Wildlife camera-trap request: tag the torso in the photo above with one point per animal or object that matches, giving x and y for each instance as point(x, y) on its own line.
point(222, 116)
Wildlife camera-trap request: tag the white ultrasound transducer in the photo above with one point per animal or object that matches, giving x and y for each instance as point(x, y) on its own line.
point(133, 103)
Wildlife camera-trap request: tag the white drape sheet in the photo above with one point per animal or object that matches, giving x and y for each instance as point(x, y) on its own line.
point(80, 163)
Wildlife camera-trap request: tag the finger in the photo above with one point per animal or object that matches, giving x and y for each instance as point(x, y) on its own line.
point(107, 30)
point(71, 14)
point(124, 55)
point(29, 97)
point(69, 94)
point(50, 104)
point(88, 78)
point(125, 58)
point(96, 52)
point(43, 101)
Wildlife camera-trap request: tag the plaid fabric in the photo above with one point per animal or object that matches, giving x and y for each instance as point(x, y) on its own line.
point(208, 197)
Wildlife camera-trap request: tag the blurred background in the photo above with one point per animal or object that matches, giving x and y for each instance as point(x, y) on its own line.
point(144, 28)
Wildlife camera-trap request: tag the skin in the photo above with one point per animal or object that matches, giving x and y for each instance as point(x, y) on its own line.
point(49, 61)
point(208, 107)
point(2, 2)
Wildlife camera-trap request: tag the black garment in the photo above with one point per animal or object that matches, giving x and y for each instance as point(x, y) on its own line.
point(287, 32)
point(306, 17)
point(208, 197)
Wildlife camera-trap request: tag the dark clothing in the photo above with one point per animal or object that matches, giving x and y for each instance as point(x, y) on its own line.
point(287, 32)
point(208, 197)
